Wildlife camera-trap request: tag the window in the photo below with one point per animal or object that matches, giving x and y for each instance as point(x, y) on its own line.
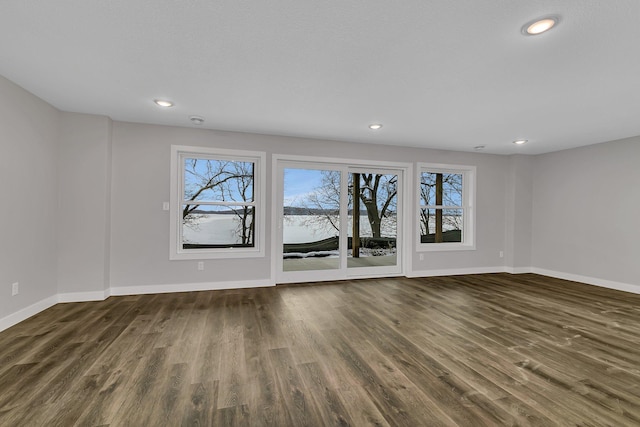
point(215, 203)
point(445, 211)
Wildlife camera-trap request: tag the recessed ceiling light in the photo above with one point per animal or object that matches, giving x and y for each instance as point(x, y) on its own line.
point(520, 141)
point(196, 120)
point(479, 147)
point(163, 103)
point(375, 126)
point(539, 26)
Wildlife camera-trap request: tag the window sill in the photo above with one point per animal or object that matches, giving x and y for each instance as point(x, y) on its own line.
point(226, 253)
point(444, 247)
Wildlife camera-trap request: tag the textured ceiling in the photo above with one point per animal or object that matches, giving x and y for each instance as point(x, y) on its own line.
point(436, 73)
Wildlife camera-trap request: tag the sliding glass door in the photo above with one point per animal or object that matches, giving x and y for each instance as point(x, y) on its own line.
point(337, 221)
point(373, 220)
point(310, 219)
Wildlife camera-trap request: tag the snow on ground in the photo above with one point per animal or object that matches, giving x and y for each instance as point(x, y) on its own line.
point(212, 229)
point(364, 252)
point(224, 229)
point(310, 228)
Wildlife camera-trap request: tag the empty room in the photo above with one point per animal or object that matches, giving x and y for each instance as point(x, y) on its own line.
point(297, 213)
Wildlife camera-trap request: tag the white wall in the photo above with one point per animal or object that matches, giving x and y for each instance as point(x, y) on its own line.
point(586, 203)
point(82, 208)
point(490, 212)
point(519, 213)
point(29, 194)
point(139, 226)
point(84, 160)
point(140, 229)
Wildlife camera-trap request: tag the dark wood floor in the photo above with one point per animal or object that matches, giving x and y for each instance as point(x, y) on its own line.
point(477, 350)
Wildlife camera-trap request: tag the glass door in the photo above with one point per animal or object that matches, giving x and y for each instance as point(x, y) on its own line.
point(310, 221)
point(337, 221)
point(373, 222)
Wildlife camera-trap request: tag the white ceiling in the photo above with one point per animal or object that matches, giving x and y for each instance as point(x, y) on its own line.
point(449, 74)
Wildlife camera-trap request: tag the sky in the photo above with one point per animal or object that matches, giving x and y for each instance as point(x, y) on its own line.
point(198, 172)
point(299, 183)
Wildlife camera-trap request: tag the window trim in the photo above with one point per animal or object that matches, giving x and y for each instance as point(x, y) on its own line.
point(468, 207)
point(178, 153)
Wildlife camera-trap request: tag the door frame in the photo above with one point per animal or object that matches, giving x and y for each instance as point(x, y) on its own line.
point(397, 269)
point(405, 205)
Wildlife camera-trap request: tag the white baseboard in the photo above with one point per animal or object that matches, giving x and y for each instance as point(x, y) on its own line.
point(33, 309)
point(456, 271)
point(25, 313)
point(189, 287)
point(626, 287)
point(518, 270)
point(83, 296)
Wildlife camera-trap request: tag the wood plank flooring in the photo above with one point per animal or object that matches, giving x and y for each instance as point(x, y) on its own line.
point(477, 350)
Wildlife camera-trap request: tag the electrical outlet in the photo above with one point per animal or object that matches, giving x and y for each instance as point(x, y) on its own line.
point(501, 254)
point(200, 265)
point(421, 257)
point(165, 206)
point(15, 288)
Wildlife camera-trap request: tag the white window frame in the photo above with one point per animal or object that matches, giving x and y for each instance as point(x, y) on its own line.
point(178, 154)
point(468, 207)
point(403, 232)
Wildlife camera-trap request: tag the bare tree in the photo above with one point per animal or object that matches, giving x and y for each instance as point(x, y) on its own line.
point(377, 192)
point(378, 195)
point(244, 188)
point(220, 181)
point(439, 189)
point(323, 204)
